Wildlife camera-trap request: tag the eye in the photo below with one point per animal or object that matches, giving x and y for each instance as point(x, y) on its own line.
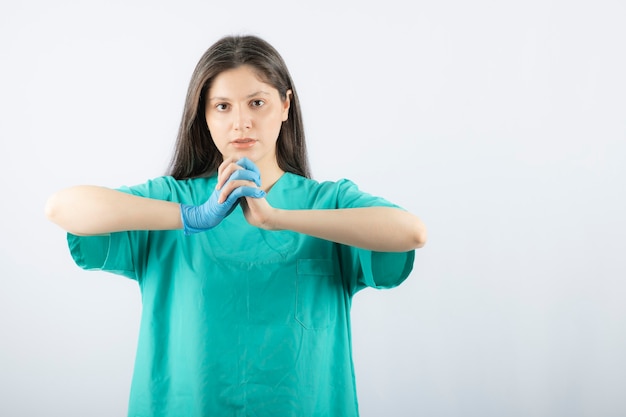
point(221, 106)
point(257, 103)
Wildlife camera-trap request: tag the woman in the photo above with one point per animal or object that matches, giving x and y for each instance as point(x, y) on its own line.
point(246, 309)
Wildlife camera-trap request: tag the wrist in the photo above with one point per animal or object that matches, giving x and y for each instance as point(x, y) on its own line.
point(273, 220)
point(187, 214)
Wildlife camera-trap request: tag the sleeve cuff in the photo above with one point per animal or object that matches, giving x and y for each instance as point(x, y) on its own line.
point(102, 253)
point(382, 270)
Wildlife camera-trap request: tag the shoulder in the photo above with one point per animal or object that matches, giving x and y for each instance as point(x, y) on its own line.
point(342, 193)
point(190, 191)
point(295, 181)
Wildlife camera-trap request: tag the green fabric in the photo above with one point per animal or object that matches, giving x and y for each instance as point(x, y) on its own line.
point(238, 321)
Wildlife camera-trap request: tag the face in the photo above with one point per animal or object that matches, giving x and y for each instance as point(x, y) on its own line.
point(244, 115)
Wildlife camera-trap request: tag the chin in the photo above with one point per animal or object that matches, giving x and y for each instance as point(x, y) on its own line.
point(254, 158)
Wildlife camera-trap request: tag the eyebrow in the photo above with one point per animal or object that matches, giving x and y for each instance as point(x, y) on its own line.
point(256, 93)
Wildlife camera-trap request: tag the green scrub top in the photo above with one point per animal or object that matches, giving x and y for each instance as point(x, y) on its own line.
point(240, 321)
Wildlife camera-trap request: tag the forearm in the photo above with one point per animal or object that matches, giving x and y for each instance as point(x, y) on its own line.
point(383, 229)
point(92, 210)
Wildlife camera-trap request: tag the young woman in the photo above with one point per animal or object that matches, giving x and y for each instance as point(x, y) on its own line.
point(246, 266)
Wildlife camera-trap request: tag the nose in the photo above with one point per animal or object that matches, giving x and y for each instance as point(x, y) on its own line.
point(242, 119)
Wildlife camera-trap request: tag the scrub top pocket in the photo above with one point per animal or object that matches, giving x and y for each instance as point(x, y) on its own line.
point(317, 293)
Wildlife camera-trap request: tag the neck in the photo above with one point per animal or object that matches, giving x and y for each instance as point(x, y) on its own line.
point(270, 173)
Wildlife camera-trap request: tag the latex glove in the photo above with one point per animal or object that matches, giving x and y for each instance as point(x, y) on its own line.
point(208, 215)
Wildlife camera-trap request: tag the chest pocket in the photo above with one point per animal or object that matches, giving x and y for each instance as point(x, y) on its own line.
point(317, 293)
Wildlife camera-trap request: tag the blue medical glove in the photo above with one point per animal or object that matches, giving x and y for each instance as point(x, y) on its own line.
point(208, 215)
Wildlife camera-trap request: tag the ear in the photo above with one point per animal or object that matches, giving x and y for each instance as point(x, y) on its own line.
point(286, 105)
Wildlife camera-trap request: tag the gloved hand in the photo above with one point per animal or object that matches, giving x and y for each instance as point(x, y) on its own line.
point(208, 215)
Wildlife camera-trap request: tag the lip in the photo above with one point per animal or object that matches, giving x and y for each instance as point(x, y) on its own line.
point(243, 143)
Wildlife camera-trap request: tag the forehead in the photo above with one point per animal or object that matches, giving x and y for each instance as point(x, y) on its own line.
point(238, 82)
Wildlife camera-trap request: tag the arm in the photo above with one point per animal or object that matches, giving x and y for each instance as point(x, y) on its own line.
point(92, 210)
point(384, 229)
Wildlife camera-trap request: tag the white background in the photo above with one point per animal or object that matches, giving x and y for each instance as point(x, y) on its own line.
point(502, 124)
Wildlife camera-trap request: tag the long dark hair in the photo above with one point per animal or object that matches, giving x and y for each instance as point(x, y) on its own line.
point(195, 153)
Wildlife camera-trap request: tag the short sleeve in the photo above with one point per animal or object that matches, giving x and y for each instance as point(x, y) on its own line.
point(159, 188)
point(118, 252)
point(365, 268)
point(112, 253)
point(350, 196)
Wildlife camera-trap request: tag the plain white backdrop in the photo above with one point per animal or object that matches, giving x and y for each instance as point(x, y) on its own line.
point(501, 124)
